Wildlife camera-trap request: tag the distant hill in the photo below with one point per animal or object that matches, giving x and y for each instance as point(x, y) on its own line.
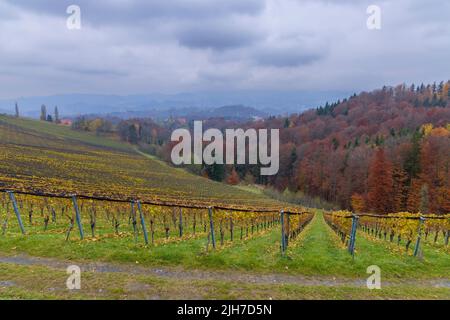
point(161, 105)
point(235, 112)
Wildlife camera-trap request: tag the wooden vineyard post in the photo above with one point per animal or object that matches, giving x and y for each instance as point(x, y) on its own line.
point(351, 243)
point(211, 227)
point(16, 211)
point(231, 229)
point(283, 238)
point(78, 217)
point(288, 229)
point(141, 216)
point(180, 225)
point(419, 236)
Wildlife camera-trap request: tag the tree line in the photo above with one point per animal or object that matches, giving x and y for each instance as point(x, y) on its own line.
point(44, 116)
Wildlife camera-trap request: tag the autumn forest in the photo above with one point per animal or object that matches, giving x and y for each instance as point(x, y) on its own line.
point(382, 151)
point(385, 151)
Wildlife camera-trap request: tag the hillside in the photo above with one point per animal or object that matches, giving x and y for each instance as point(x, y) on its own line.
point(232, 112)
point(340, 152)
point(272, 102)
point(388, 150)
point(39, 156)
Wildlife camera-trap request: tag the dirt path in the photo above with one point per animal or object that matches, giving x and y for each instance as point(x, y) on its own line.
point(226, 276)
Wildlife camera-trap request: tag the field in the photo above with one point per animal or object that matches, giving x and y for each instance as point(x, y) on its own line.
point(179, 259)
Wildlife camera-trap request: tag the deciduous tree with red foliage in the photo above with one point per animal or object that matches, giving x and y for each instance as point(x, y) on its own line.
point(400, 189)
point(380, 184)
point(414, 196)
point(233, 178)
point(435, 166)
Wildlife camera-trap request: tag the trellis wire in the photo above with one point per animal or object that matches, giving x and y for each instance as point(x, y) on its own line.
point(138, 203)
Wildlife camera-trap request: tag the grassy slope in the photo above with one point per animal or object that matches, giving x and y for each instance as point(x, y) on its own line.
point(321, 252)
point(317, 252)
point(33, 282)
point(46, 156)
point(49, 130)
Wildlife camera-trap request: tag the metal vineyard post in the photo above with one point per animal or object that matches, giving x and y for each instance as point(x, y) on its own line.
point(16, 211)
point(78, 217)
point(144, 229)
point(211, 227)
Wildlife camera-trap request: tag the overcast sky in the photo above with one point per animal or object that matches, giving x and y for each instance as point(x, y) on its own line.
point(137, 46)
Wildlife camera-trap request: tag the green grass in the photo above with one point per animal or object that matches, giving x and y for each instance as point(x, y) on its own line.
point(51, 130)
point(316, 252)
point(35, 282)
point(254, 253)
point(321, 252)
point(250, 188)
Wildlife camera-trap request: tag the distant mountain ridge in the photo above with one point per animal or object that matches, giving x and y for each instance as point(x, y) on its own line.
point(234, 112)
point(268, 102)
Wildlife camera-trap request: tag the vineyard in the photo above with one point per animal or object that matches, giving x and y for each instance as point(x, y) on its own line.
point(59, 183)
point(77, 197)
point(402, 228)
point(42, 158)
point(143, 222)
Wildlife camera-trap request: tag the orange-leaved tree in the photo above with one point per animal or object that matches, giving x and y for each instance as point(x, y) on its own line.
point(358, 203)
point(380, 184)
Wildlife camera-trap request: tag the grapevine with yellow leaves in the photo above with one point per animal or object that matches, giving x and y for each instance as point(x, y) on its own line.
point(399, 227)
point(340, 222)
point(104, 219)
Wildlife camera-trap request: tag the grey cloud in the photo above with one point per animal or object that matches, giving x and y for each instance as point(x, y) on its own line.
point(286, 58)
point(93, 72)
point(6, 13)
point(181, 45)
point(133, 11)
point(290, 51)
point(217, 36)
point(428, 12)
